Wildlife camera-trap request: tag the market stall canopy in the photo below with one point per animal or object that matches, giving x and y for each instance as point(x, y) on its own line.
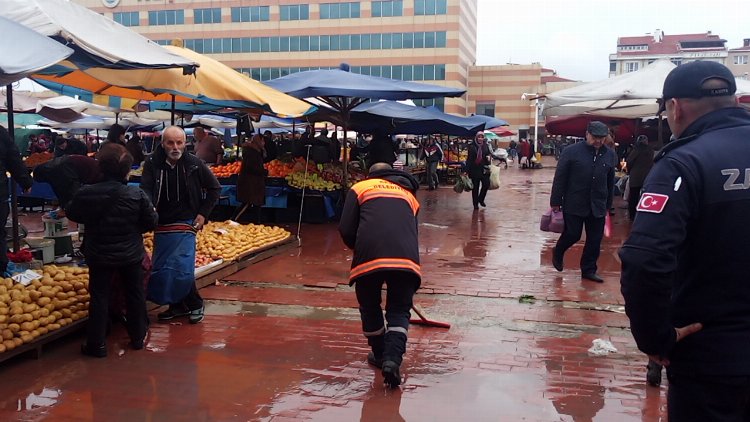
point(67, 109)
point(22, 103)
point(501, 132)
point(342, 83)
point(102, 123)
point(400, 118)
point(489, 122)
point(215, 84)
point(26, 51)
point(96, 40)
point(625, 129)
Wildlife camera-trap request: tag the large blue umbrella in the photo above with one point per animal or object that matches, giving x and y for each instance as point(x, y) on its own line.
point(343, 91)
point(411, 120)
point(489, 122)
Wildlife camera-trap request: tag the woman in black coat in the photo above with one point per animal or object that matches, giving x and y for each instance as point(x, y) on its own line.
point(478, 168)
point(639, 163)
point(251, 182)
point(116, 216)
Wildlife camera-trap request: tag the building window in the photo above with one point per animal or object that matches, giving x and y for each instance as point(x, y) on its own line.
point(387, 8)
point(127, 18)
point(339, 10)
point(166, 17)
point(295, 12)
point(212, 15)
point(613, 66)
point(438, 103)
point(631, 67)
point(430, 7)
point(251, 14)
point(740, 59)
point(486, 108)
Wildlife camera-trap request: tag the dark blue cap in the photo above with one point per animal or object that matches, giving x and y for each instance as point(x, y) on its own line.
point(686, 81)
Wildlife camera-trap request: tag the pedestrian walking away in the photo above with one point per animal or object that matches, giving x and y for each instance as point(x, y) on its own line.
point(684, 265)
point(379, 223)
point(478, 168)
point(583, 189)
point(116, 216)
point(432, 154)
point(184, 191)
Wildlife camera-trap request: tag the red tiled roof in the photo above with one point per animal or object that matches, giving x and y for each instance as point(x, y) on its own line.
point(546, 79)
point(670, 44)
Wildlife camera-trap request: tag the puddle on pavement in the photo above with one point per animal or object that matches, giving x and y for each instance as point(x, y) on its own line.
point(218, 307)
point(46, 398)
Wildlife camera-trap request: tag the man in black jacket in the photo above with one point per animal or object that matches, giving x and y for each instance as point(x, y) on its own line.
point(116, 216)
point(379, 223)
point(184, 191)
point(684, 265)
point(583, 188)
point(10, 161)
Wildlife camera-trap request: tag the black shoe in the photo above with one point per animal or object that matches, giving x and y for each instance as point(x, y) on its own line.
point(653, 374)
point(94, 351)
point(391, 374)
point(593, 277)
point(138, 344)
point(557, 261)
point(173, 312)
point(372, 360)
point(196, 315)
point(476, 207)
point(482, 203)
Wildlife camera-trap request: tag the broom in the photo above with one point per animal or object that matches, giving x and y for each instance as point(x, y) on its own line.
point(423, 319)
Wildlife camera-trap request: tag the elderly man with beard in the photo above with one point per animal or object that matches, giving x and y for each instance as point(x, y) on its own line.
point(184, 191)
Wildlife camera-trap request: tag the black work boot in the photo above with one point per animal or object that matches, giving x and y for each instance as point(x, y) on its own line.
point(391, 374)
point(375, 357)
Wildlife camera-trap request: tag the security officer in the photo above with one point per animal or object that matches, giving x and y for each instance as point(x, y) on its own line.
point(685, 266)
point(379, 223)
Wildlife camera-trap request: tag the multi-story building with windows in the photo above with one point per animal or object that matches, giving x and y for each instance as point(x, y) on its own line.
point(738, 60)
point(418, 40)
point(633, 53)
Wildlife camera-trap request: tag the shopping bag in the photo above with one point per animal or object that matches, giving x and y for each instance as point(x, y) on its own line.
point(494, 177)
point(607, 225)
point(459, 186)
point(468, 184)
point(552, 221)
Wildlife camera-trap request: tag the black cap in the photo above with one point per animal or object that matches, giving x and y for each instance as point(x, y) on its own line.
point(686, 81)
point(597, 128)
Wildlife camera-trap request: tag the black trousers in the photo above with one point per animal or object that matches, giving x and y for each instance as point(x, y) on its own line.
point(633, 197)
point(193, 300)
point(100, 279)
point(390, 342)
point(572, 233)
point(4, 211)
point(478, 194)
point(702, 398)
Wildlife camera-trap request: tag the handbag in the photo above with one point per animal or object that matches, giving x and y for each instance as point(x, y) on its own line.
point(459, 186)
point(552, 221)
point(468, 184)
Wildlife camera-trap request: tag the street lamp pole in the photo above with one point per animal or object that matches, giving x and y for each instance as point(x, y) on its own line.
point(524, 96)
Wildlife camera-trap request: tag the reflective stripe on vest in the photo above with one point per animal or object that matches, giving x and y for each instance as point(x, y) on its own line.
point(385, 263)
point(380, 188)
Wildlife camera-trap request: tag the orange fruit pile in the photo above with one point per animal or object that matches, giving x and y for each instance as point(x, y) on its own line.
point(226, 170)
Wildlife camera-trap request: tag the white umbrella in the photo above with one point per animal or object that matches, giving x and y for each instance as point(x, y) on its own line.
point(24, 51)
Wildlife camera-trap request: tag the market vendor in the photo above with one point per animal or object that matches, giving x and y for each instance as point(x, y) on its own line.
point(10, 161)
point(207, 146)
point(251, 185)
point(184, 191)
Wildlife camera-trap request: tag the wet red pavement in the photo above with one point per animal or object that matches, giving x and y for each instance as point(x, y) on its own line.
point(281, 340)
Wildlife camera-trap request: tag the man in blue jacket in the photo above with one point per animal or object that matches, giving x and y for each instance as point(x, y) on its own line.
point(685, 266)
point(582, 188)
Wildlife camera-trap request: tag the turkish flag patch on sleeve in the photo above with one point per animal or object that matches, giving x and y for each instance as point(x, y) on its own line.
point(652, 202)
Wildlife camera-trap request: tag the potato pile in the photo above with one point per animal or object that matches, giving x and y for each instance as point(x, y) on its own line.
point(228, 240)
point(57, 299)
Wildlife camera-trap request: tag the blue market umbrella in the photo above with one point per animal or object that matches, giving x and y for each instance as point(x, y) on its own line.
point(411, 120)
point(343, 91)
point(489, 122)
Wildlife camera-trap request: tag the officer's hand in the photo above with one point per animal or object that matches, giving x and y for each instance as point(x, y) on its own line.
point(556, 208)
point(681, 334)
point(199, 222)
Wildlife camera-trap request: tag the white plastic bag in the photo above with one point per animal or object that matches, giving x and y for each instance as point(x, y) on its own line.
point(494, 177)
point(602, 347)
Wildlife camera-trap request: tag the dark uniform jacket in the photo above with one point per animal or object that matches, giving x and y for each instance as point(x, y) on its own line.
point(116, 216)
point(686, 259)
point(379, 223)
point(584, 180)
point(202, 187)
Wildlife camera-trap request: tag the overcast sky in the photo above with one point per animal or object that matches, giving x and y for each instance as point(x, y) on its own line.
point(575, 37)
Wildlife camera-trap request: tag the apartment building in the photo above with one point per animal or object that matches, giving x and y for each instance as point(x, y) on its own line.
point(737, 60)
